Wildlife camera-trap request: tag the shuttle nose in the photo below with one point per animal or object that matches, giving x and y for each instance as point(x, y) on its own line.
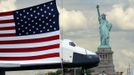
point(93, 59)
point(88, 61)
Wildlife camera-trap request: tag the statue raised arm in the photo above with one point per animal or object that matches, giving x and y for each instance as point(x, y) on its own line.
point(104, 29)
point(98, 10)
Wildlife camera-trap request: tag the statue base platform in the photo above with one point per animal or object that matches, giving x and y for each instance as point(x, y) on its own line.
point(106, 66)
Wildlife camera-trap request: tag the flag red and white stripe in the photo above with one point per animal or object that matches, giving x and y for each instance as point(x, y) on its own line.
point(7, 24)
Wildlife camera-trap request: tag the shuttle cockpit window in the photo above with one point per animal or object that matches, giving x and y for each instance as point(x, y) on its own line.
point(72, 44)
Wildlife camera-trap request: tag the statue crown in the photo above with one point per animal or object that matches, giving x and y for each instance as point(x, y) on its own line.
point(103, 14)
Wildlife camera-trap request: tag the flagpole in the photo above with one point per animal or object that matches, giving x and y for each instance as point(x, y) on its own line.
point(62, 67)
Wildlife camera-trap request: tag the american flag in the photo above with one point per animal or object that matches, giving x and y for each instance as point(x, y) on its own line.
point(30, 34)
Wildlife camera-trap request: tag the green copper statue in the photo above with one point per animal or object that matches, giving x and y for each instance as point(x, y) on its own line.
point(104, 29)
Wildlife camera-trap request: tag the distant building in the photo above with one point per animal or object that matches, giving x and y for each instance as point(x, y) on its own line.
point(132, 71)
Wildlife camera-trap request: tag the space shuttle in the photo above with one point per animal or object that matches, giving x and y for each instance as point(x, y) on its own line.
point(78, 56)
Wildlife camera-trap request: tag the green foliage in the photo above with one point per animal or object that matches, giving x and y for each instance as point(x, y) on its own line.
point(51, 73)
point(58, 72)
point(78, 72)
point(88, 72)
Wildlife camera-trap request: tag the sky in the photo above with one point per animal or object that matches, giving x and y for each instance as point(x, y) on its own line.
point(82, 15)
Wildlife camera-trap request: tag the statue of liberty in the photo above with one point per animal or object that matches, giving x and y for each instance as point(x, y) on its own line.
point(104, 29)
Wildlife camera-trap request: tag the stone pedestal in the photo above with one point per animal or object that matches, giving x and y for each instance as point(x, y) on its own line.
point(106, 66)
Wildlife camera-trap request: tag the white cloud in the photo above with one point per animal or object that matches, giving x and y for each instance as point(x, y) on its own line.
point(7, 5)
point(124, 18)
point(123, 58)
point(128, 53)
point(131, 1)
point(72, 20)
